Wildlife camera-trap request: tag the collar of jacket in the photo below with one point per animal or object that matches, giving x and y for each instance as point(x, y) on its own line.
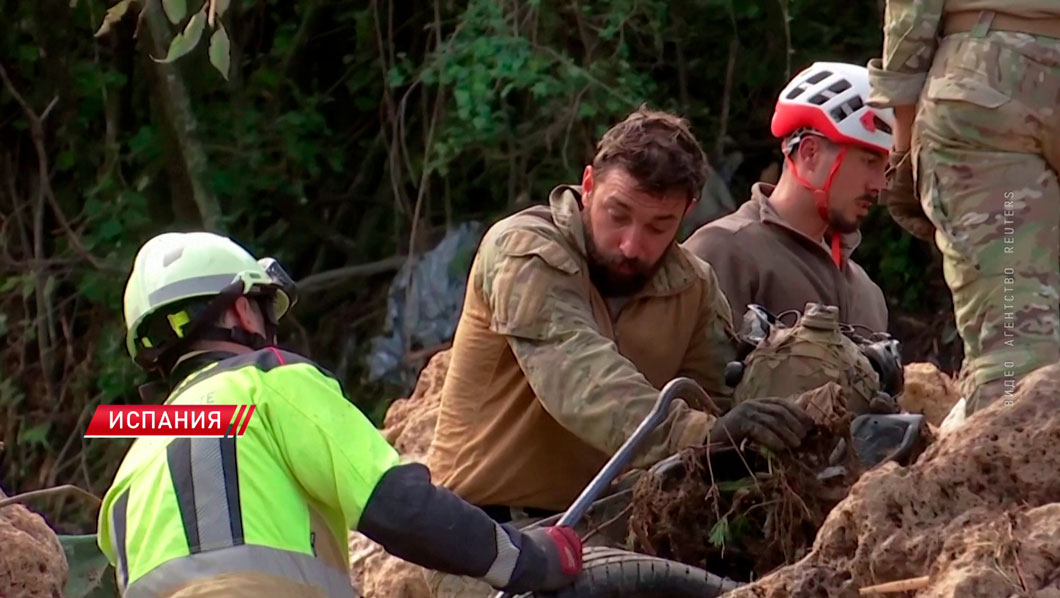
point(156, 391)
point(760, 193)
point(677, 272)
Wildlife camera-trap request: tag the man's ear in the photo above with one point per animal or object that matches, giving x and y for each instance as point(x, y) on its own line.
point(246, 315)
point(808, 150)
point(587, 179)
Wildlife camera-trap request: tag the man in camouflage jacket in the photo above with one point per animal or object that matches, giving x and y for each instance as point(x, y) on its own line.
point(576, 313)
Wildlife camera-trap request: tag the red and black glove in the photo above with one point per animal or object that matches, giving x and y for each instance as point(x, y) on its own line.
point(545, 559)
point(565, 556)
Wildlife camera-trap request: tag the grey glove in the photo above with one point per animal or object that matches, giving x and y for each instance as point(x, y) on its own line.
point(900, 197)
point(771, 422)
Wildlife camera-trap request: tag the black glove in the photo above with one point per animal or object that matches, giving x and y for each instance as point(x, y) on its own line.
point(549, 558)
point(773, 423)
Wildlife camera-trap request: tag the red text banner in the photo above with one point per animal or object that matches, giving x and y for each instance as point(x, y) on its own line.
point(135, 421)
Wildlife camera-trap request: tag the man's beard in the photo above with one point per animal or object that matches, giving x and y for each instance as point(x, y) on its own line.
point(843, 225)
point(609, 282)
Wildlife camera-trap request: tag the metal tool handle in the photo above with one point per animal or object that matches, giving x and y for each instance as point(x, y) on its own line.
point(678, 386)
point(685, 387)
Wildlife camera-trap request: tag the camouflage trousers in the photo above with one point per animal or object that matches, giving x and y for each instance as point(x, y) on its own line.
point(986, 149)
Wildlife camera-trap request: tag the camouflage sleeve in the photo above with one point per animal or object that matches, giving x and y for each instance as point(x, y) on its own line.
point(714, 342)
point(537, 300)
point(910, 28)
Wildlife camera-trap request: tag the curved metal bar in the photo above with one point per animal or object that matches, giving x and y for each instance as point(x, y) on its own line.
point(685, 387)
point(678, 386)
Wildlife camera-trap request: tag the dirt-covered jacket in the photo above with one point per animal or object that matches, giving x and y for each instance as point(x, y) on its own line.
point(911, 32)
point(545, 382)
point(761, 259)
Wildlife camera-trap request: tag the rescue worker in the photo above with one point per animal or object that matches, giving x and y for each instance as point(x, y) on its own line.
point(575, 315)
point(974, 86)
point(267, 514)
point(791, 243)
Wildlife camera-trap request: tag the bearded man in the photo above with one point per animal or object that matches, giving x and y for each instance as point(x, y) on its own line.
point(576, 314)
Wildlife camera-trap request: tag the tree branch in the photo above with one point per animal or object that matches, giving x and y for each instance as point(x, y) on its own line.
point(176, 107)
point(331, 278)
point(44, 332)
point(726, 100)
point(51, 492)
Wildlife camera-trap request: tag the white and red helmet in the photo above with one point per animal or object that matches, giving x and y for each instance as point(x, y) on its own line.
point(832, 99)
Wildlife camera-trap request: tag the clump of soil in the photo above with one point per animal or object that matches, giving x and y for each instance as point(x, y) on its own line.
point(1010, 554)
point(977, 513)
point(409, 427)
point(929, 391)
point(32, 562)
point(377, 574)
point(742, 513)
point(409, 423)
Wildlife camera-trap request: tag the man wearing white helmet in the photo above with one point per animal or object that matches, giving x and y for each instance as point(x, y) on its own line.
point(791, 244)
point(267, 513)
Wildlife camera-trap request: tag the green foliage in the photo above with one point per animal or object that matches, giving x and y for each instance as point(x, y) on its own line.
point(186, 40)
point(333, 124)
point(896, 260)
point(720, 535)
point(220, 51)
point(175, 10)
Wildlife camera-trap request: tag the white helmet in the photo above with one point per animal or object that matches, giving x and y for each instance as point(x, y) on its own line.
point(172, 269)
point(832, 99)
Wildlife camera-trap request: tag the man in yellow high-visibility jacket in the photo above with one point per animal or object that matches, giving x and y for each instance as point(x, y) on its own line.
point(268, 513)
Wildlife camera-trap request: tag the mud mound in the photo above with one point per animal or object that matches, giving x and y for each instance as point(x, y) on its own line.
point(933, 517)
point(409, 423)
point(376, 574)
point(409, 427)
point(744, 513)
point(929, 391)
point(1009, 555)
point(32, 562)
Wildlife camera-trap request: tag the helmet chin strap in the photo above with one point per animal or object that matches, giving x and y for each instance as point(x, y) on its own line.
point(820, 195)
point(242, 336)
point(203, 327)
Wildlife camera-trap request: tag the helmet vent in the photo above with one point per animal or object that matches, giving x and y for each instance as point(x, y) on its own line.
point(840, 86)
point(818, 77)
point(847, 108)
point(819, 99)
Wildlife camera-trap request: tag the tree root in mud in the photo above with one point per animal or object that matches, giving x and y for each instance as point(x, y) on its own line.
point(744, 512)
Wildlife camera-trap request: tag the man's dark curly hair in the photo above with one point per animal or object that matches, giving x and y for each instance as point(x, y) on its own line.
point(658, 149)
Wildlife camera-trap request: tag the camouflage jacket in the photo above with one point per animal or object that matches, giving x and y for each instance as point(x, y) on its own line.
point(545, 383)
point(911, 30)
